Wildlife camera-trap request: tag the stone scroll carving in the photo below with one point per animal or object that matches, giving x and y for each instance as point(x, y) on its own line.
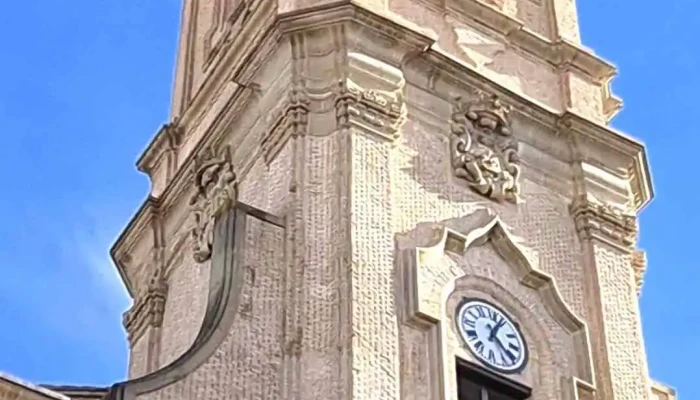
point(484, 151)
point(216, 190)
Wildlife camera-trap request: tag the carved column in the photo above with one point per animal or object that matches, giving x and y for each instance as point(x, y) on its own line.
point(143, 323)
point(608, 235)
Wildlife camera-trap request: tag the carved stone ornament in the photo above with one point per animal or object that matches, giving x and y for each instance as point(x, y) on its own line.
point(216, 188)
point(639, 267)
point(596, 219)
point(381, 111)
point(148, 308)
point(484, 151)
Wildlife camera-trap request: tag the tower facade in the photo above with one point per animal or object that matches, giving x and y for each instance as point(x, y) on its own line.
point(387, 199)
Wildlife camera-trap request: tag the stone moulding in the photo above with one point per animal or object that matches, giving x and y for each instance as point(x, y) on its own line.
point(484, 152)
point(424, 308)
point(639, 267)
point(289, 121)
point(378, 111)
point(148, 309)
point(605, 222)
point(216, 189)
point(225, 287)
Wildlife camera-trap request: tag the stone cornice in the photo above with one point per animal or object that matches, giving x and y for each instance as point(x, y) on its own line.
point(13, 388)
point(238, 66)
point(592, 137)
point(561, 53)
point(597, 136)
point(662, 391)
point(596, 220)
point(155, 207)
point(168, 138)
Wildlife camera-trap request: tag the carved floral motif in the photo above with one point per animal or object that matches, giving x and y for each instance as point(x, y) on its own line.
point(484, 152)
point(216, 188)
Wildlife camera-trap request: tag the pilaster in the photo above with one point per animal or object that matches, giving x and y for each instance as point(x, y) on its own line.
point(343, 333)
point(143, 323)
point(607, 230)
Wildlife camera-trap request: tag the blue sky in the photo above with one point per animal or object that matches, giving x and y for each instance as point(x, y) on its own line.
point(86, 83)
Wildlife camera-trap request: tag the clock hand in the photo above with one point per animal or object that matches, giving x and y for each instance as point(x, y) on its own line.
point(504, 350)
point(494, 331)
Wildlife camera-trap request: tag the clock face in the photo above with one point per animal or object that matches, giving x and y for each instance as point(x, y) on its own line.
point(491, 335)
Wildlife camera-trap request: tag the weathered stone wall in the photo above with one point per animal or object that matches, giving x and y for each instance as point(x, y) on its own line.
point(347, 130)
point(249, 363)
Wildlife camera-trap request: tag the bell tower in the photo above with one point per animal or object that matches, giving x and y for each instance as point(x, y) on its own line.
point(387, 199)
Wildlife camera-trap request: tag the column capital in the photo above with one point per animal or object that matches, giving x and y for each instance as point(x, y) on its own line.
point(148, 308)
point(605, 222)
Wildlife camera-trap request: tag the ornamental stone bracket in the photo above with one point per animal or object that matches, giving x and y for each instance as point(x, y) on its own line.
point(639, 267)
point(605, 222)
point(371, 97)
point(216, 190)
point(484, 151)
point(380, 112)
point(148, 309)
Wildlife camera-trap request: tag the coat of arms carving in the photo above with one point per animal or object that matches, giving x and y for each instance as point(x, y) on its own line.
point(484, 151)
point(216, 190)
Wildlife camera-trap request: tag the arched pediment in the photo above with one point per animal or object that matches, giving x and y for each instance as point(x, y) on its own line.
point(426, 282)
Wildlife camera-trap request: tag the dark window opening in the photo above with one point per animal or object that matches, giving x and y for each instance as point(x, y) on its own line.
point(478, 383)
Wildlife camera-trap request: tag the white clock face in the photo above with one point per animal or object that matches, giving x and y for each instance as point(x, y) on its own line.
point(491, 336)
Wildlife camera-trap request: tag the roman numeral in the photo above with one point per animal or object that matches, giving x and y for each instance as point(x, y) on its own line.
point(479, 346)
point(510, 335)
point(492, 357)
point(493, 315)
point(503, 360)
point(468, 322)
point(481, 311)
point(511, 355)
point(471, 334)
point(514, 347)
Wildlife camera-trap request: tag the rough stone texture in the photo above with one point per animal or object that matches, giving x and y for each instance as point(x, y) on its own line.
point(626, 358)
point(138, 358)
point(248, 365)
point(344, 130)
point(422, 191)
point(184, 308)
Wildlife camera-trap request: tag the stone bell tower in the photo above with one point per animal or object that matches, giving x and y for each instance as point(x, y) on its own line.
point(387, 199)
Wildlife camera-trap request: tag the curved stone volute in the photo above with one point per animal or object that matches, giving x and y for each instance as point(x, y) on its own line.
point(225, 287)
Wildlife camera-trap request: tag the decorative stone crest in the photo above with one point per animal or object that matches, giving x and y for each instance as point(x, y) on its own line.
point(216, 188)
point(484, 151)
point(595, 219)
